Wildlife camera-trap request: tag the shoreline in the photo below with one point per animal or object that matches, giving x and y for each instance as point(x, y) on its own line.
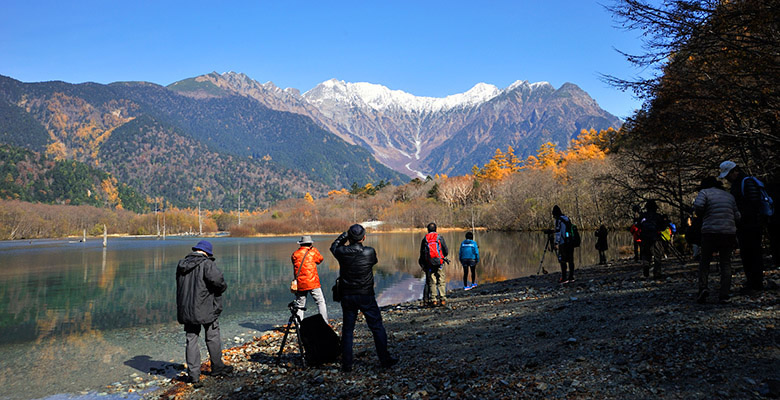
point(259, 235)
point(610, 334)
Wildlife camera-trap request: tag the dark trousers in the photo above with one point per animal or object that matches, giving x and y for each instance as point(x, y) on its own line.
point(566, 258)
point(602, 257)
point(724, 245)
point(192, 350)
point(636, 250)
point(651, 256)
point(750, 251)
point(350, 305)
point(469, 264)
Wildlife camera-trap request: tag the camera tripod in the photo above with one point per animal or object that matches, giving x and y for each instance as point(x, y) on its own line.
point(547, 245)
point(293, 323)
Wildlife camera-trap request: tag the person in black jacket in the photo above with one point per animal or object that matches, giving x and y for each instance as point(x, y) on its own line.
point(356, 278)
point(651, 223)
point(749, 227)
point(601, 244)
point(199, 288)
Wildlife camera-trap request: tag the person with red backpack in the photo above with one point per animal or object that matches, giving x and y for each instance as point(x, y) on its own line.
point(433, 255)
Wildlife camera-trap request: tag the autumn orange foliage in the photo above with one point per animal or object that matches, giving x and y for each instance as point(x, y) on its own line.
point(589, 145)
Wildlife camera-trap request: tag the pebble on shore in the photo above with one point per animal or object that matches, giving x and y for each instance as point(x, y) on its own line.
point(610, 334)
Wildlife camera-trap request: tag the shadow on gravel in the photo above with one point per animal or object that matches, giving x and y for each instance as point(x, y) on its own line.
point(146, 365)
point(257, 327)
point(626, 327)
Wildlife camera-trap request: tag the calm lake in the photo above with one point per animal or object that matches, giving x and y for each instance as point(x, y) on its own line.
point(77, 317)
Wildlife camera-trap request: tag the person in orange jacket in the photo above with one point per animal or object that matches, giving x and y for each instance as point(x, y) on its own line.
point(305, 261)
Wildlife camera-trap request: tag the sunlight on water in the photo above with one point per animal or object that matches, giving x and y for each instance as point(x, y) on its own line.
point(75, 316)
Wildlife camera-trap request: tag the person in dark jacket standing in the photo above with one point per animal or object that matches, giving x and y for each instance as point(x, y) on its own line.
point(601, 244)
point(650, 226)
point(199, 288)
point(356, 276)
point(435, 280)
point(719, 214)
point(563, 245)
point(747, 195)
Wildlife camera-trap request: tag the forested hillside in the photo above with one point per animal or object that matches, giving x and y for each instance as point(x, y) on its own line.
point(235, 139)
point(32, 177)
point(182, 171)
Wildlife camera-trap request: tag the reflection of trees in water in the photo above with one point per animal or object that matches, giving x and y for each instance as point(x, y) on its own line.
point(136, 287)
point(503, 255)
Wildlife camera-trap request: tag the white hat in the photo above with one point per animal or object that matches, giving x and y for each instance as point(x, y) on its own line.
point(725, 168)
point(305, 240)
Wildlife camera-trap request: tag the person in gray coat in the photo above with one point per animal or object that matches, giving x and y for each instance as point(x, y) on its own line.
point(199, 288)
point(719, 213)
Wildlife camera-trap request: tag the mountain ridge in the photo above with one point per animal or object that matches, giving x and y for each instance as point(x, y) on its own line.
point(406, 132)
point(77, 122)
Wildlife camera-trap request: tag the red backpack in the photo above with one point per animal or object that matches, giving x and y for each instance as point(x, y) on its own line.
point(435, 257)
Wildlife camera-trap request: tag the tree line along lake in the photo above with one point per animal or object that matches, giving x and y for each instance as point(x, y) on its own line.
point(75, 316)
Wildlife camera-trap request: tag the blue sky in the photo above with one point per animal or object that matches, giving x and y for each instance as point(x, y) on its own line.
point(426, 48)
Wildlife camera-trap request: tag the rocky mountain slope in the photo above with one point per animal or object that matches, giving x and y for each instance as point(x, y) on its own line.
point(286, 153)
point(419, 136)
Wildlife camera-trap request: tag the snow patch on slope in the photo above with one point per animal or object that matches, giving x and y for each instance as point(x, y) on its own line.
point(381, 98)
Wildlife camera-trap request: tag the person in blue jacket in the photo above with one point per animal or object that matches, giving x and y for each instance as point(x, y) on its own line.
point(469, 257)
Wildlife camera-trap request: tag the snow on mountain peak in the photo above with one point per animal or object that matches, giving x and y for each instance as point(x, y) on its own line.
point(379, 97)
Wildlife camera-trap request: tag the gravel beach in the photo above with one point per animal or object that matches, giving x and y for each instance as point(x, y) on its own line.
point(610, 334)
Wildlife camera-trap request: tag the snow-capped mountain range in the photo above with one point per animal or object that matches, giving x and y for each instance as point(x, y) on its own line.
point(382, 98)
point(422, 136)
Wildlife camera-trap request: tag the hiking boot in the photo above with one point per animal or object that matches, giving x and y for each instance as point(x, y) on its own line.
point(646, 271)
point(222, 371)
point(562, 280)
point(390, 362)
point(702, 297)
point(443, 302)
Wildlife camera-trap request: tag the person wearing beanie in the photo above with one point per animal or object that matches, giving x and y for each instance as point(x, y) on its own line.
point(563, 245)
point(305, 261)
point(199, 288)
point(356, 276)
point(747, 194)
point(435, 292)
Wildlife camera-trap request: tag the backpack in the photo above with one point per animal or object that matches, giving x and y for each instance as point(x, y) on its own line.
point(435, 258)
point(572, 234)
point(766, 206)
point(649, 226)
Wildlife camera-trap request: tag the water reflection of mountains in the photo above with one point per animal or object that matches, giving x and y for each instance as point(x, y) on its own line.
point(51, 293)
